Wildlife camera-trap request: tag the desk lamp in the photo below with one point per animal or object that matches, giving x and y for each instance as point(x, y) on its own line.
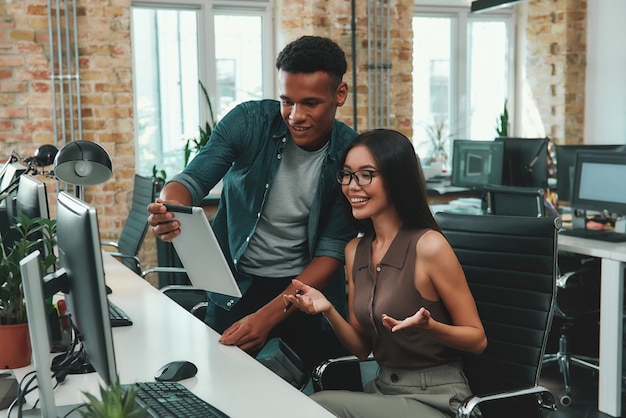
point(82, 163)
point(43, 157)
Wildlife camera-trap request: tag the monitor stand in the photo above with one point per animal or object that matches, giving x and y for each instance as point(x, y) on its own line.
point(579, 218)
point(69, 411)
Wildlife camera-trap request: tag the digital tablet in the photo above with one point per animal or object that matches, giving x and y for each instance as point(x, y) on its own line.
point(200, 253)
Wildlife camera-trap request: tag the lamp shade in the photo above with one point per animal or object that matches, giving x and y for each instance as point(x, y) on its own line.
point(45, 154)
point(82, 163)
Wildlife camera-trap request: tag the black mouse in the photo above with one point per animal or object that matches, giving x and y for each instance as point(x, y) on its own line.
point(175, 371)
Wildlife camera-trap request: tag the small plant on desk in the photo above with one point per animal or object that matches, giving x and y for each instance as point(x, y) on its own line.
point(113, 403)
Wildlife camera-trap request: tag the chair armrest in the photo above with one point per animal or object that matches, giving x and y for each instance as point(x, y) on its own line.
point(169, 287)
point(342, 374)
point(189, 297)
point(197, 306)
point(162, 270)
point(120, 255)
point(109, 244)
point(545, 399)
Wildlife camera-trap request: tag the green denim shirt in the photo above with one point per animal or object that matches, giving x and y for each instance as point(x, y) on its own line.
point(245, 151)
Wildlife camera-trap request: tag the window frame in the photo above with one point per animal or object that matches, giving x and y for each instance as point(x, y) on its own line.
point(206, 12)
point(460, 18)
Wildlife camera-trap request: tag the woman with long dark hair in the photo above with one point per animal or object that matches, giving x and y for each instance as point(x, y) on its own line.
point(408, 300)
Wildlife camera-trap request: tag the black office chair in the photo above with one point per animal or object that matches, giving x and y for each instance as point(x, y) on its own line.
point(510, 265)
point(145, 190)
point(192, 299)
point(578, 298)
point(515, 201)
point(578, 290)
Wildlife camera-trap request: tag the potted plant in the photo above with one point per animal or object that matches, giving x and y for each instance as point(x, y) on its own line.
point(113, 403)
point(502, 123)
point(15, 350)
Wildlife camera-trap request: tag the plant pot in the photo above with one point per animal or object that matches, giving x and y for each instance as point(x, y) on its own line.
point(15, 349)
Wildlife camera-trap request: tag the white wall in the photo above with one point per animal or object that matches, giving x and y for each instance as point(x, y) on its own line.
point(605, 95)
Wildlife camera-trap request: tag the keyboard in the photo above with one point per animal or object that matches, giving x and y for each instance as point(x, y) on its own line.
point(597, 234)
point(118, 317)
point(171, 399)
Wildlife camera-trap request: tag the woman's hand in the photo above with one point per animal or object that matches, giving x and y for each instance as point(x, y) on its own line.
point(419, 320)
point(308, 299)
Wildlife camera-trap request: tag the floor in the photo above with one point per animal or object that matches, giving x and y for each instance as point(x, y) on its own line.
point(584, 393)
point(584, 382)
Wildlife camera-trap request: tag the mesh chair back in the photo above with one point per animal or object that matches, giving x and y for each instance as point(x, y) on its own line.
point(510, 265)
point(136, 226)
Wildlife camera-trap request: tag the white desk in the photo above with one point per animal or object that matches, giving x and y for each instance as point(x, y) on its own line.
point(163, 331)
point(613, 257)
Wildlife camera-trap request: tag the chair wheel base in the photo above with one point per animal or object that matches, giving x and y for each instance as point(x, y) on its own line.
point(565, 400)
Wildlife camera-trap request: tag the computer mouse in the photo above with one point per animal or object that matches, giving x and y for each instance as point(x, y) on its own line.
point(175, 371)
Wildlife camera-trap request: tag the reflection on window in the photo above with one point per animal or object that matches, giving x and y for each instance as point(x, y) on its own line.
point(168, 55)
point(488, 55)
point(165, 54)
point(431, 83)
point(239, 60)
point(460, 77)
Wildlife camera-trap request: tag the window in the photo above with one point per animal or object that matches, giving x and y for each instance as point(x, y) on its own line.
point(461, 75)
point(226, 46)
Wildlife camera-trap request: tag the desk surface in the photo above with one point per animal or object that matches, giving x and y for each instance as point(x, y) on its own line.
point(163, 331)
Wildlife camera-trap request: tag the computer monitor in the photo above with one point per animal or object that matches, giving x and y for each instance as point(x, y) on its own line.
point(32, 198)
point(476, 164)
point(566, 162)
point(10, 179)
point(81, 278)
point(525, 162)
point(599, 182)
point(38, 328)
point(80, 255)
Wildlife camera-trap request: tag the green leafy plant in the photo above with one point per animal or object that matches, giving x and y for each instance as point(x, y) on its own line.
point(193, 145)
point(113, 403)
point(12, 308)
point(502, 124)
point(158, 174)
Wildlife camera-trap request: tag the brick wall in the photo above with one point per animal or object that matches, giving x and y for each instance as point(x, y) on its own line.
point(332, 18)
point(555, 68)
point(106, 93)
point(555, 65)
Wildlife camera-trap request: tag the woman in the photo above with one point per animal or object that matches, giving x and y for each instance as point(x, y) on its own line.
point(408, 299)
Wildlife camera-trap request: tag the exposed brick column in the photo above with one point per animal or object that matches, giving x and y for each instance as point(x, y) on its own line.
point(556, 64)
point(332, 18)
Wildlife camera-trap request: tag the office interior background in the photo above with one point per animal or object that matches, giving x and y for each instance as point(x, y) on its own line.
point(413, 65)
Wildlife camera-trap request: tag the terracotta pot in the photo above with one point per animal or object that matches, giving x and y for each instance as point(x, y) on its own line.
point(15, 349)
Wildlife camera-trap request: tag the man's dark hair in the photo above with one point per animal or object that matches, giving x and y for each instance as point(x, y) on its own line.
point(309, 54)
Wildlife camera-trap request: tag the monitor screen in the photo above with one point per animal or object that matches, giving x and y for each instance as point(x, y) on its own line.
point(476, 164)
point(599, 182)
point(525, 162)
point(10, 177)
point(38, 329)
point(565, 163)
point(32, 199)
point(80, 257)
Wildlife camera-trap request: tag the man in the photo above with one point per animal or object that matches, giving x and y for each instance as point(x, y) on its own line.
point(280, 215)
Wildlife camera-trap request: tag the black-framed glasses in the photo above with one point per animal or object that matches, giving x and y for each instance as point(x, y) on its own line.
point(361, 177)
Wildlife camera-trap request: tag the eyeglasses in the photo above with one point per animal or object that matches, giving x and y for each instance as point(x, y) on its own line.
point(361, 177)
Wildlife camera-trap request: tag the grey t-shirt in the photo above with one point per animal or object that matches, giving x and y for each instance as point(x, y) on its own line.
point(278, 247)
